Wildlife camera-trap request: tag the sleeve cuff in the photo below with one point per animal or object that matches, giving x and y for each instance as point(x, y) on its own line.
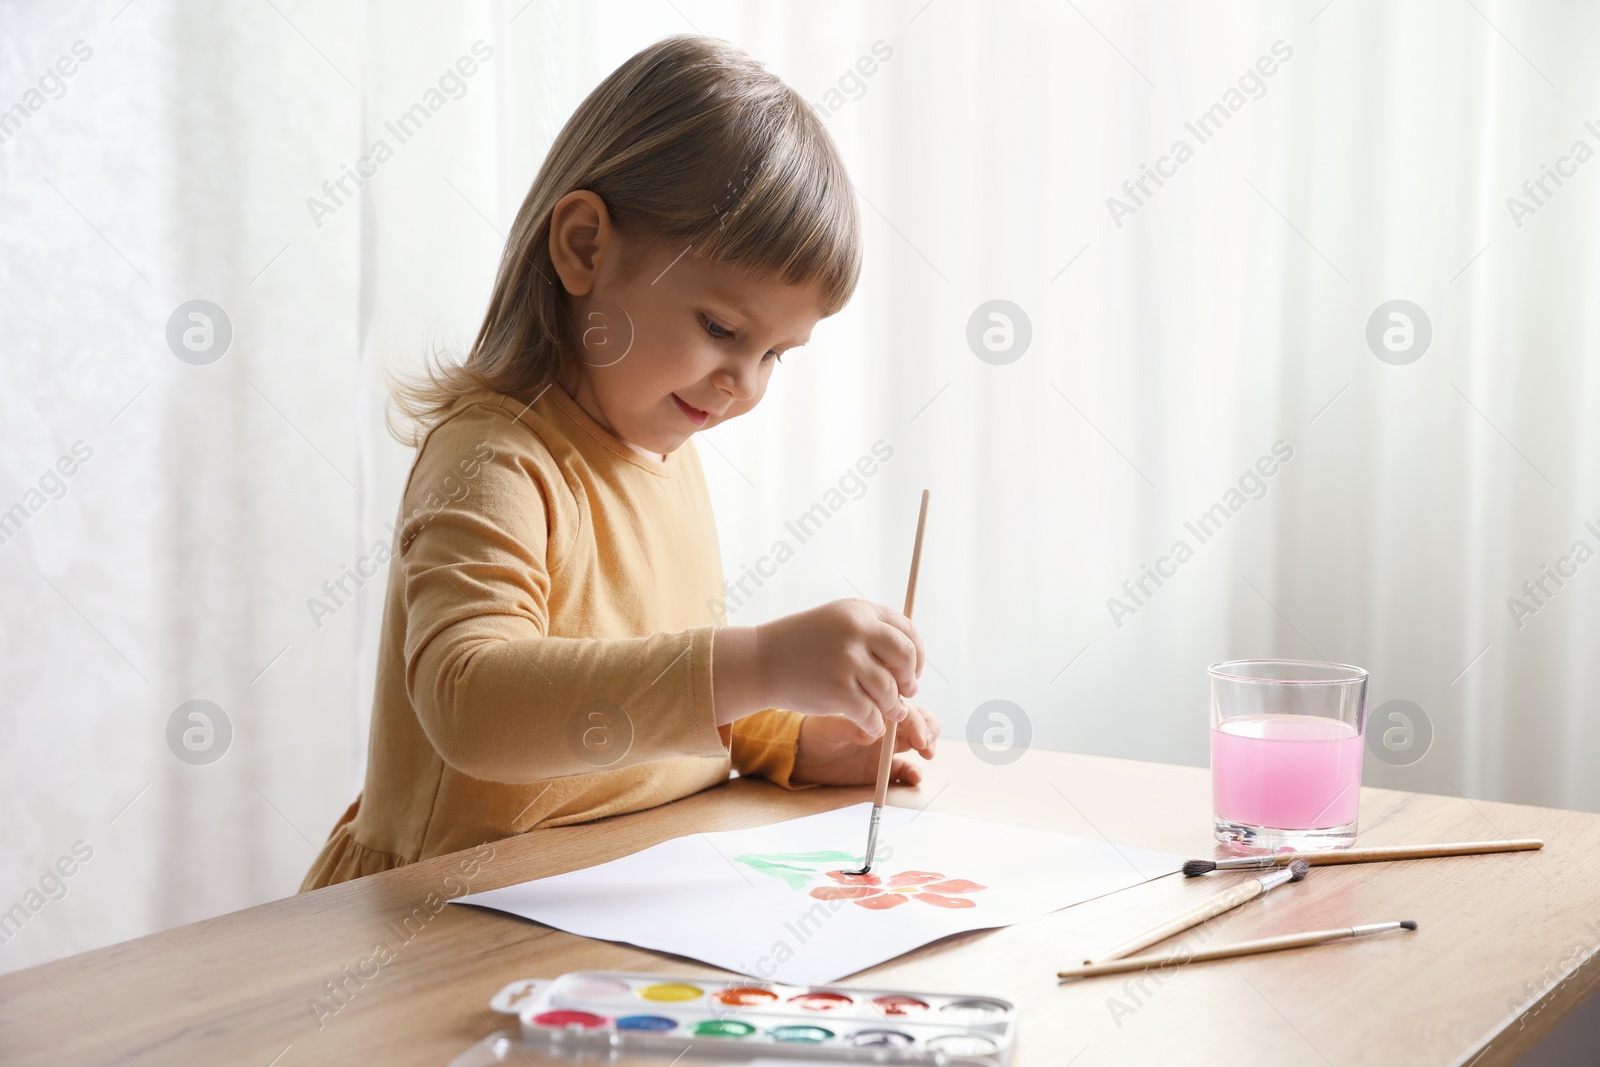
point(765, 744)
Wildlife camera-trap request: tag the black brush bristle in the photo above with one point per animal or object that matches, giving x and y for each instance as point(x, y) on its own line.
point(1195, 868)
point(1408, 924)
point(1298, 870)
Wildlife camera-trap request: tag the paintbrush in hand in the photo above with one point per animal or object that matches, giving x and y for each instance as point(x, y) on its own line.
point(886, 757)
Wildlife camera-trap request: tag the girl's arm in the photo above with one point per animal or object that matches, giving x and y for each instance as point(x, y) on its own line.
point(737, 685)
point(498, 697)
point(502, 700)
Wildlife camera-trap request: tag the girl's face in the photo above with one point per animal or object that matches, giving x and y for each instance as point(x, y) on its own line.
point(681, 345)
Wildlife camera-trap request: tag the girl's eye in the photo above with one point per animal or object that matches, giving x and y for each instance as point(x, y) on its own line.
point(715, 329)
point(719, 331)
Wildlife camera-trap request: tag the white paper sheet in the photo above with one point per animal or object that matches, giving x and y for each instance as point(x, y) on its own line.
point(763, 902)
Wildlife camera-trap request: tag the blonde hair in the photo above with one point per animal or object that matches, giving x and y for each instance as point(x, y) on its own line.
point(693, 142)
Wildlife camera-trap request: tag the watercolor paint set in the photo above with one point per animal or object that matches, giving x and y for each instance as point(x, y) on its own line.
point(589, 1014)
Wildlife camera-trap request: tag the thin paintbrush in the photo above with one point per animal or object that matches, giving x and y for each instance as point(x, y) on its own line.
point(1195, 868)
point(1207, 910)
point(886, 757)
point(1243, 948)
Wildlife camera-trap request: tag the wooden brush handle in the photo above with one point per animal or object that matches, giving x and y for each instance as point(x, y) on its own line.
point(916, 556)
point(886, 757)
point(1206, 909)
point(1417, 852)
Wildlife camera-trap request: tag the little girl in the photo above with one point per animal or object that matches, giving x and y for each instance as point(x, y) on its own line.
point(548, 655)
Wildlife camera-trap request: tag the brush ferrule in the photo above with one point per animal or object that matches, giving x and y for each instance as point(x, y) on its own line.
point(872, 840)
point(1251, 863)
point(1373, 928)
point(1275, 879)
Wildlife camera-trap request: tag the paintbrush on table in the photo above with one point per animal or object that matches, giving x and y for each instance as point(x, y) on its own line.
point(886, 757)
point(1243, 948)
point(1207, 910)
point(1195, 868)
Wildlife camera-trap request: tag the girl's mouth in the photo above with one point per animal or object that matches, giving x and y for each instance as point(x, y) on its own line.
point(690, 412)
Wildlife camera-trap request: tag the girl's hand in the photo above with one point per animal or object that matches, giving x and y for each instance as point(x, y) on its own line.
point(835, 751)
point(848, 658)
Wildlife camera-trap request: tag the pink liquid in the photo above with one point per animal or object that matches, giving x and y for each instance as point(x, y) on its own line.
point(1286, 772)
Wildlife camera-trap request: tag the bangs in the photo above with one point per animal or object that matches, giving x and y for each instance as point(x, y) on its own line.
point(777, 202)
point(791, 215)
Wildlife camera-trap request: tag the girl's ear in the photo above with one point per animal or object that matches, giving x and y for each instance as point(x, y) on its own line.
point(581, 237)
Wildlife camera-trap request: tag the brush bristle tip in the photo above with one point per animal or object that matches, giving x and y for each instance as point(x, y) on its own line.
point(1298, 870)
point(1195, 868)
point(1408, 924)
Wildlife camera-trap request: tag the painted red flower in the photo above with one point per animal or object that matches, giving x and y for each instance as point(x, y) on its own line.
point(870, 891)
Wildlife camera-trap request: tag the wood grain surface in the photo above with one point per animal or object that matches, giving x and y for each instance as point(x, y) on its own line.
point(1505, 949)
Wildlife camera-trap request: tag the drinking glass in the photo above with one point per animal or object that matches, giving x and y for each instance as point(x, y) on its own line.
point(1286, 741)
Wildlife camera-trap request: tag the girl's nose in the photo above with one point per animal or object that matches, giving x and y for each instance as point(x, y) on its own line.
point(739, 379)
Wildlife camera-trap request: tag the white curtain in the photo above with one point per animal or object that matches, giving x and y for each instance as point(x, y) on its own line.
point(210, 545)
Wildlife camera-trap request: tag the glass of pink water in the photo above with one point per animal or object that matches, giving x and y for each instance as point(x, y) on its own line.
point(1286, 740)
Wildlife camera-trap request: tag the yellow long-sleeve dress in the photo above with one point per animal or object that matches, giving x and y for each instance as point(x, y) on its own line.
point(546, 648)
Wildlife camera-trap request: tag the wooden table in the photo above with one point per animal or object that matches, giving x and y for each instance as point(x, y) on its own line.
point(1504, 950)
